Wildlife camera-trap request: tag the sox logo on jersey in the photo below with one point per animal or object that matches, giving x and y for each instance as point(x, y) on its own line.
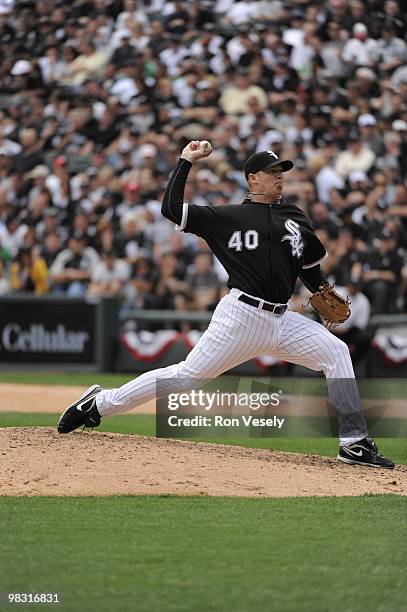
point(294, 237)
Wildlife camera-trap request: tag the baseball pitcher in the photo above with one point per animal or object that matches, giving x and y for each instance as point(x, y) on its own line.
point(265, 244)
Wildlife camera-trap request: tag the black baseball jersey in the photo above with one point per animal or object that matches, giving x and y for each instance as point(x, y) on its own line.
point(263, 247)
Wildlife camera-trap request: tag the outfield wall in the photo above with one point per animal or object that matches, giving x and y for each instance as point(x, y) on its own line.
point(54, 330)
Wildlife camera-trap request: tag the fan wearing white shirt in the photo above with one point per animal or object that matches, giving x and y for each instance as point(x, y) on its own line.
point(360, 50)
point(109, 275)
point(353, 331)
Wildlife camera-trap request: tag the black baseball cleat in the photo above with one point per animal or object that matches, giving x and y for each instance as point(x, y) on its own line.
point(82, 412)
point(364, 452)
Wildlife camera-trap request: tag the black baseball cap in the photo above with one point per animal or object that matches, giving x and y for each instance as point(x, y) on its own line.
point(265, 160)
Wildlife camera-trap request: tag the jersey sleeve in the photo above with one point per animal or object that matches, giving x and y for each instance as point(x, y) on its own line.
point(173, 202)
point(199, 220)
point(314, 251)
point(312, 278)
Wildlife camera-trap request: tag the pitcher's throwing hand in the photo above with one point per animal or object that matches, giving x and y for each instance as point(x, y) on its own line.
point(196, 149)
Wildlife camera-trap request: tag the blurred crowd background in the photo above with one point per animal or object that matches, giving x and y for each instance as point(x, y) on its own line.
point(98, 98)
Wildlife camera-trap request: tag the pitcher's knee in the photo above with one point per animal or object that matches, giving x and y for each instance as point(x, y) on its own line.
point(186, 373)
point(340, 346)
point(186, 376)
point(339, 361)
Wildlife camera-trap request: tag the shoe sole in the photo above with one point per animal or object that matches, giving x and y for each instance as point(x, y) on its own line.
point(88, 394)
point(353, 462)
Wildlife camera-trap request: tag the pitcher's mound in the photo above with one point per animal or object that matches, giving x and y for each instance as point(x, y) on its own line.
point(39, 461)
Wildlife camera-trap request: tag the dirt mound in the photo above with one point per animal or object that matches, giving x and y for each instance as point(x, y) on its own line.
point(39, 461)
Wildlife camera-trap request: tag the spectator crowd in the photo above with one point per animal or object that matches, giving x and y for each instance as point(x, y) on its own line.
point(98, 98)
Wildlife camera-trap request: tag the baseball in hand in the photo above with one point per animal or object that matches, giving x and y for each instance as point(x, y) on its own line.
point(197, 149)
point(207, 147)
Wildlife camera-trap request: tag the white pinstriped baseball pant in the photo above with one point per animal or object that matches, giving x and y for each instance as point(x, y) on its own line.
point(237, 333)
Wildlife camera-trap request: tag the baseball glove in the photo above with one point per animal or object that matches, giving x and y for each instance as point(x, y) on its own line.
point(331, 306)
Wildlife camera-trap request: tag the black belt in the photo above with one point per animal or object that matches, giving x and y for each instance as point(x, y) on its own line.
point(277, 309)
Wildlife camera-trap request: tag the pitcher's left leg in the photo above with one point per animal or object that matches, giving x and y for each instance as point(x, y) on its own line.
point(310, 344)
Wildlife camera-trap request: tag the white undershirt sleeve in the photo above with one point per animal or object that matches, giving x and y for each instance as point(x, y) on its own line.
point(181, 227)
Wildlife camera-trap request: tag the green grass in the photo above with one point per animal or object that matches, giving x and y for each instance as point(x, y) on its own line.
point(204, 554)
point(157, 554)
point(144, 424)
point(369, 388)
